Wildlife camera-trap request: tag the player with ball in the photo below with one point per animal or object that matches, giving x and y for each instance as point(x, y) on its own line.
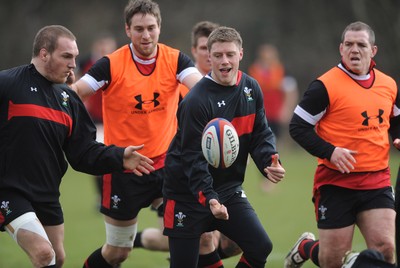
point(201, 196)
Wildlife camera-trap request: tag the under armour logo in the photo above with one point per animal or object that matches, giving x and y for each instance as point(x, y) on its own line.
point(367, 118)
point(220, 104)
point(141, 101)
point(33, 89)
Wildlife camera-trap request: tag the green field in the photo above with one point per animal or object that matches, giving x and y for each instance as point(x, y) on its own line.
point(286, 211)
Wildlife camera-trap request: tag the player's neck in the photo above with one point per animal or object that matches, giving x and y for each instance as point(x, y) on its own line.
point(145, 65)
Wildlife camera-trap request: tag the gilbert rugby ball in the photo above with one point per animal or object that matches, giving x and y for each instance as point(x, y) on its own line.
point(220, 143)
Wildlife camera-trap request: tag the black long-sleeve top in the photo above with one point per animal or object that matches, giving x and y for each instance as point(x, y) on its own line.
point(189, 177)
point(41, 125)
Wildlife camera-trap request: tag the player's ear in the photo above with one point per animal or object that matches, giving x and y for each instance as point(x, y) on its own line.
point(240, 53)
point(374, 51)
point(127, 30)
point(43, 54)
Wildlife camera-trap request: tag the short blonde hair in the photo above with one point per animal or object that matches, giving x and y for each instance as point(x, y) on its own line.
point(224, 34)
point(48, 36)
point(360, 26)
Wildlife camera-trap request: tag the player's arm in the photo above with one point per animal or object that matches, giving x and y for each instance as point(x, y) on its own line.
point(83, 89)
point(191, 79)
point(394, 129)
point(306, 115)
point(187, 73)
point(191, 121)
point(98, 77)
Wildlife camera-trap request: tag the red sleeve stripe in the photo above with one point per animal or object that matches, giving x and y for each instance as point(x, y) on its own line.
point(202, 198)
point(32, 110)
point(244, 124)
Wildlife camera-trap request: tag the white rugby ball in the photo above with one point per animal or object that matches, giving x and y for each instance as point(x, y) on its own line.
point(220, 143)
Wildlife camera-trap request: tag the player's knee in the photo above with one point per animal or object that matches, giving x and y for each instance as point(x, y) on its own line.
point(206, 239)
point(29, 233)
point(264, 246)
point(44, 255)
point(153, 239)
point(116, 255)
point(387, 249)
point(228, 249)
point(120, 257)
point(258, 254)
point(60, 258)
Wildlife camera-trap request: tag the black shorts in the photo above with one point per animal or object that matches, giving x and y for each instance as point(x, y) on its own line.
point(190, 220)
point(185, 222)
point(123, 195)
point(14, 204)
point(337, 207)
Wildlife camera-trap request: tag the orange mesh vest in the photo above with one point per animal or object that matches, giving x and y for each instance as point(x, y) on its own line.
point(141, 109)
point(358, 118)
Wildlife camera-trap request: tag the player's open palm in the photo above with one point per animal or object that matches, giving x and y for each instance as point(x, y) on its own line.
point(218, 210)
point(136, 162)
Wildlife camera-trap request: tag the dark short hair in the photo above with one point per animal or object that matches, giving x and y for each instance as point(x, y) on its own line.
point(48, 36)
point(360, 26)
point(202, 29)
point(224, 34)
point(143, 7)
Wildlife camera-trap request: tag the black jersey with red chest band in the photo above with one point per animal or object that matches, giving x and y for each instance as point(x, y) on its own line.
point(41, 123)
point(189, 174)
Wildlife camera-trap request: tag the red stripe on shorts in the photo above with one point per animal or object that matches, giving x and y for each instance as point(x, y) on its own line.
point(169, 214)
point(105, 202)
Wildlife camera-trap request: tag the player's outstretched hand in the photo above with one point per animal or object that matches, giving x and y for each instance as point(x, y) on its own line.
point(136, 162)
point(275, 172)
point(218, 210)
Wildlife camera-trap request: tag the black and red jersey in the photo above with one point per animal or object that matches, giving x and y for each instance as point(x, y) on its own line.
point(189, 177)
point(41, 125)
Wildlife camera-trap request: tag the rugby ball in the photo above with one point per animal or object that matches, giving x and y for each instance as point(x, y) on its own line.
point(220, 143)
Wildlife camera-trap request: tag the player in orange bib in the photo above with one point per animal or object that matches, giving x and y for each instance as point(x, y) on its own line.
point(344, 119)
point(139, 82)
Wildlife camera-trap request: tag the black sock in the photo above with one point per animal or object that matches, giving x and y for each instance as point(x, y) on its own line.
point(311, 250)
point(96, 260)
point(138, 241)
point(50, 266)
point(210, 260)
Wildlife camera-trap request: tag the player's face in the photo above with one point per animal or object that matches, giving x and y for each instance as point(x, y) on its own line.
point(200, 55)
point(357, 52)
point(225, 58)
point(144, 33)
point(59, 64)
